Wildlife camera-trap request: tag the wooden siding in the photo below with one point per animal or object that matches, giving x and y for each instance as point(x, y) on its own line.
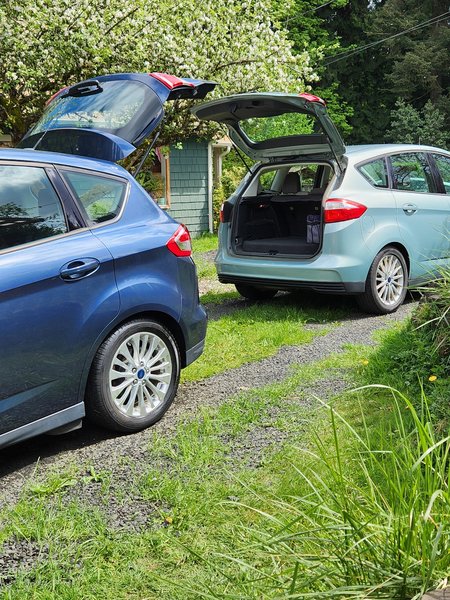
point(189, 185)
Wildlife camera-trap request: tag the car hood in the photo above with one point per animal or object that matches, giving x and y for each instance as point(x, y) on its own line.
point(109, 117)
point(273, 125)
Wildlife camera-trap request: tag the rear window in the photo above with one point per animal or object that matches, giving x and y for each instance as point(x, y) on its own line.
point(375, 172)
point(30, 210)
point(112, 109)
point(100, 197)
point(259, 129)
point(443, 164)
point(411, 172)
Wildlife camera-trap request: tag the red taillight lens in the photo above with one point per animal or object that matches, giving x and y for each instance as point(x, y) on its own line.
point(180, 243)
point(312, 98)
point(221, 213)
point(339, 209)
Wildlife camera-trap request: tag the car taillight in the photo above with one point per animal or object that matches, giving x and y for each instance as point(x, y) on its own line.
point(312, 98)
point(180, 243)
point(339, 209)
point(225, 212)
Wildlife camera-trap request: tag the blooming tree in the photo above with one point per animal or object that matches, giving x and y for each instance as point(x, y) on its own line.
point(47, 44)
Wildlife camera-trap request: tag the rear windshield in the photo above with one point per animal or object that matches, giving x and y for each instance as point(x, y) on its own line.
point(119, 109)
point(287, 124)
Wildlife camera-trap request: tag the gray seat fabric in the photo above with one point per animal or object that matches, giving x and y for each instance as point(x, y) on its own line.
point(291, 184)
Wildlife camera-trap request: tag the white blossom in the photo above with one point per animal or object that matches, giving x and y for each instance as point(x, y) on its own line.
point(48, 44)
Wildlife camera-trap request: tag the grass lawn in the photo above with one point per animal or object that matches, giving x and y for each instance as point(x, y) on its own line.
point(271, 495)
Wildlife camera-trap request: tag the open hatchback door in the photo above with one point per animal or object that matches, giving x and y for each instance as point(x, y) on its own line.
point(270, 126)
point(110, 116)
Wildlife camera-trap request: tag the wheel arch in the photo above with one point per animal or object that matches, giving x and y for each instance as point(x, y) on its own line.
point(162, 318)
point(401, 248)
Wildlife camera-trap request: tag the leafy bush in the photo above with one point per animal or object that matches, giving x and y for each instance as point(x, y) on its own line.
point(416, 356)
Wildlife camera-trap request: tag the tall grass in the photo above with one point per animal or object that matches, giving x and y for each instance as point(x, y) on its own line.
point(433, 315)
point(368, 515)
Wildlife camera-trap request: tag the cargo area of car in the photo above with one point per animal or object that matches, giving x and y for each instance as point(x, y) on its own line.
point(285, 219)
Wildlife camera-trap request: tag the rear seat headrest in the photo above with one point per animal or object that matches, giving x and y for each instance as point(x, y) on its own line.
point(291, 184)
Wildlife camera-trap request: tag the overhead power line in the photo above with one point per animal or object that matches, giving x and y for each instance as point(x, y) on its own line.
point(347, 53)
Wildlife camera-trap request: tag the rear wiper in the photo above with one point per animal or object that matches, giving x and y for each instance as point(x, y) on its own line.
point(85, 88)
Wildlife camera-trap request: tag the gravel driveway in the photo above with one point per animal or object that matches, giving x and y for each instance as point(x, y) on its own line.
point(104, 451)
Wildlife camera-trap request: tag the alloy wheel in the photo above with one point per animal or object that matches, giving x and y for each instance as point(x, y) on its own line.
point(140, 374)
point(390, 279)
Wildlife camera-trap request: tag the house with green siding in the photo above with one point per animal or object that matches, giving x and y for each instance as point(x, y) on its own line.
point(188, 173)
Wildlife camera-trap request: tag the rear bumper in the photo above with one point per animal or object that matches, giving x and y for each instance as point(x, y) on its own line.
point(194, 352)
point(324, 287)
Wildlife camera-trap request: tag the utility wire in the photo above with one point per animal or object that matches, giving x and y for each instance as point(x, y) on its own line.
point(347, 53)
point(307, 12)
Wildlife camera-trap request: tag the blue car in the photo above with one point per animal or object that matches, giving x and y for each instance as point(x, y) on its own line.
point(312, 214)
point(99, 305)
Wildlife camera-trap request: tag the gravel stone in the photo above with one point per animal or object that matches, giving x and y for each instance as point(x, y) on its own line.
point(19, 554)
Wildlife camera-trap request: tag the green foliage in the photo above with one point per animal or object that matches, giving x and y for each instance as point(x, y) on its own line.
point(48, 44)
point(413, 126)
point(416, 356)
point(311, 26)
point(362, 518)
point(233, 171)
point(148, 181)
point(413, 67)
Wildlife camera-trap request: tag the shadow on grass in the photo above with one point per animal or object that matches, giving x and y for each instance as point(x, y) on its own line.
point(317, 307)
point(30, 451)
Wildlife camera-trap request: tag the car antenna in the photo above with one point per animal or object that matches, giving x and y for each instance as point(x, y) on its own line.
point(146, 153)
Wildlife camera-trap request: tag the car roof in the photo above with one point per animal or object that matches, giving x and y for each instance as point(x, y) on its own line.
point(55, 158)
point(362, 152)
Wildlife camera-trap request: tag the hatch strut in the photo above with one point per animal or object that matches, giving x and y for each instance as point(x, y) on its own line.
point(336, 157)
point(242, 158)
point(146, 153)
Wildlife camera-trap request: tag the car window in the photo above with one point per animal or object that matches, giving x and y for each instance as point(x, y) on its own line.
point(266, 180)
point(411, 172)
point(375, 172)
point(258, 129)
point(30, 210)
point(443, 164)
point(101, 197)
point(308, 176)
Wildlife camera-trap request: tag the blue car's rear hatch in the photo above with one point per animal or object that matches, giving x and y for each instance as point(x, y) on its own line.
point(108, 117)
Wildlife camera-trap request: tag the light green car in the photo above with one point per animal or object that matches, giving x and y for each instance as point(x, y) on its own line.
point(312, 214)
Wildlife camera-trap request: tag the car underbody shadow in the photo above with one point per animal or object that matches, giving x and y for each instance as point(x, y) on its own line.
point(30, 451)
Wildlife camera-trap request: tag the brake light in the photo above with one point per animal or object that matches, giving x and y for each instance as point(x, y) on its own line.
point(170, 81)
point(339, 209)
point(312, 98)
point(180, 243)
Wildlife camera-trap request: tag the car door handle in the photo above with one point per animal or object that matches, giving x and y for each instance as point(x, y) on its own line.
point(79, 268)
point(409, 209)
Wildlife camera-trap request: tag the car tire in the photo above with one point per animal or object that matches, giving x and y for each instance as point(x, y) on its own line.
point(386, 283)
point(134, 377)
point(253, 292)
